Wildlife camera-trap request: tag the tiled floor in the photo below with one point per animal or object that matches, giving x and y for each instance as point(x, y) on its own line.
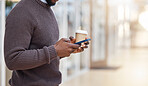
point(134, 72)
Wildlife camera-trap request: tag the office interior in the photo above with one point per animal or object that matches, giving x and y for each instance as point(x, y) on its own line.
point(117, 53)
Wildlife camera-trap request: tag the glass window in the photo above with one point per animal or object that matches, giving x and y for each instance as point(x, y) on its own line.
point(85, 25)
point(71, 18)
point(98, 30)
point(71, 66)
point(9, 5)
point(61, 13)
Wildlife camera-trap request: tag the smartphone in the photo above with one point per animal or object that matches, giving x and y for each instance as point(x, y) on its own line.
point(82, 41)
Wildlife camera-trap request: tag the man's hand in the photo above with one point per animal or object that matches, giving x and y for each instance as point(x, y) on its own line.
point(80, 49)
point(64, 48)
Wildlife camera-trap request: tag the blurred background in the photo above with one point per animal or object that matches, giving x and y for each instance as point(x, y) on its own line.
point(118, 52)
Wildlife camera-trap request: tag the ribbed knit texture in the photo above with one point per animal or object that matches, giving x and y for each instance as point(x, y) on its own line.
point(31, 32)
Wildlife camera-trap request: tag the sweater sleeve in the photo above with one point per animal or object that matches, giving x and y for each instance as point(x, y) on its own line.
point(18, 34)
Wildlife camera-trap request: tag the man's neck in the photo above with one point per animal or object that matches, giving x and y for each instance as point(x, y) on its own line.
point(44, 1)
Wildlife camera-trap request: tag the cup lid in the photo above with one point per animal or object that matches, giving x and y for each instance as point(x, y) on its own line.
point(81, 31)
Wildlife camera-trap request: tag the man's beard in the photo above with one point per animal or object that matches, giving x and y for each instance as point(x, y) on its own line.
point(50, 3)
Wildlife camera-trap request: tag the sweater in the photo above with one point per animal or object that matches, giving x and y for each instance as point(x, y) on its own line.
point(30, 35)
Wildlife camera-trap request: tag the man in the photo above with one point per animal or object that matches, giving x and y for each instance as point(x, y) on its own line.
point(32, 49)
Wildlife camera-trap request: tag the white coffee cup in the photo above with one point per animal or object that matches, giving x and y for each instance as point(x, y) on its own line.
point(81, 35)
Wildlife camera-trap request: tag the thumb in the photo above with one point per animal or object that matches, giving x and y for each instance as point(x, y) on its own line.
point(72, 39)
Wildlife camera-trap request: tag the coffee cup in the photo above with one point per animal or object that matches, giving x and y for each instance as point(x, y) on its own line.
point(80, 35)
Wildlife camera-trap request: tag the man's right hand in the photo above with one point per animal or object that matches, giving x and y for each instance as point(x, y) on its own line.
point(64, 48)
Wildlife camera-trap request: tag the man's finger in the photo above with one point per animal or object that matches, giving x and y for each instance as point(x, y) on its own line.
point(80, 49)
point(66, 40)
point(72, 39)
point(74, 46)
point(86, 43)
point(85, 46)
point(71, 50)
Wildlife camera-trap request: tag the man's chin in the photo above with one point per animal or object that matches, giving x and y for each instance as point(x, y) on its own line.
point(50, 3)
point(53, 4)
